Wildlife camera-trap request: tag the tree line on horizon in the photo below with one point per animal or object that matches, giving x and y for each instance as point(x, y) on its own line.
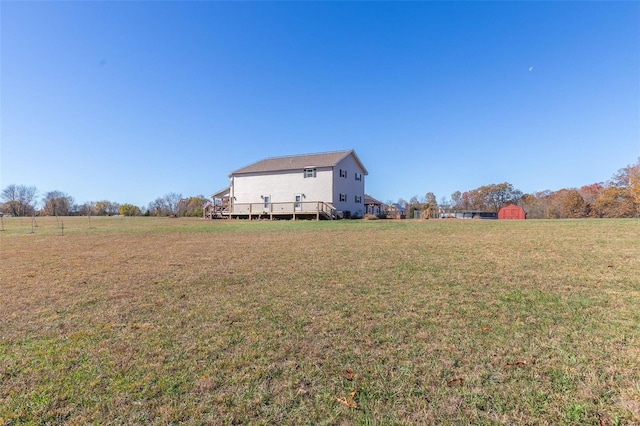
point(22, 200)
point(617, 198)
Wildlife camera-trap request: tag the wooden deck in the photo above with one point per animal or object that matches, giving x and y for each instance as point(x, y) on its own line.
point(318, 210)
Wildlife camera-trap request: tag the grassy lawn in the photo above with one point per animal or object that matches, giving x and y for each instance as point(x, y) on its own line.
point(146, 320)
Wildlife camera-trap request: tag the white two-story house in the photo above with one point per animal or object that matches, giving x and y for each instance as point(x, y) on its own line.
point(327, 185)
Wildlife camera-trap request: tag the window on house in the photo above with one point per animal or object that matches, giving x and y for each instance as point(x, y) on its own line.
point(343, 197)
point(359, 176)
point(267, 201)
point(358, 199)
point(309, 173)
point(343, 173)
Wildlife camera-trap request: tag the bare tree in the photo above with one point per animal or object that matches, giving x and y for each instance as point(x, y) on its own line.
point(456, 200)
point(167, 205)
point(172, 201)
point(158, 207)
point(19, 199)
point(87, 209)
point(57, 203)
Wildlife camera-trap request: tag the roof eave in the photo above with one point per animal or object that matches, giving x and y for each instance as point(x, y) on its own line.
point(355, 156)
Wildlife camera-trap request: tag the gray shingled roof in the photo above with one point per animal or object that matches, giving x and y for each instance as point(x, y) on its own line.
point(297, 162)
point(368, 199)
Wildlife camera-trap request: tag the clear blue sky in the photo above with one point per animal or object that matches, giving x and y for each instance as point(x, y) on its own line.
point(127, 101)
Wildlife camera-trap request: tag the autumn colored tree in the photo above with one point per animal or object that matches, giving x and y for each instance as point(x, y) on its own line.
point(467, 201)
point(572, 204)
point(430, 205)
point(105, 208)
point(529, 203)
point(487, 198)
point(615, 202)
point(129, 210)
point(501, 194)
point(620, 179)
point(192, 206)
point(619, 197)
point(562, 204)
point(634, 185)
point(552, 204)
point(590, 194)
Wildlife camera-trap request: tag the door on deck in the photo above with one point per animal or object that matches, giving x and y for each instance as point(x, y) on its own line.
point(298, 203)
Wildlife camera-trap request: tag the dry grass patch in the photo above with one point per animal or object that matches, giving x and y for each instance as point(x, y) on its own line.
point(386, 322)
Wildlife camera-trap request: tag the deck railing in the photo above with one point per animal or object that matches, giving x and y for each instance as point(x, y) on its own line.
point(284, 208)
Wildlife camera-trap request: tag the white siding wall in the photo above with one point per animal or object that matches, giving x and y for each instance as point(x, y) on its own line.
point(283, 186)
point(326, 186)
point(349, 186)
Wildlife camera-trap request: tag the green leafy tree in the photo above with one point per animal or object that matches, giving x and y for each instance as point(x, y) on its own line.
point(413, 206)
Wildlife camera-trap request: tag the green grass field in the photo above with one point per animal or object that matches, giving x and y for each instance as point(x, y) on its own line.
point(147, 320)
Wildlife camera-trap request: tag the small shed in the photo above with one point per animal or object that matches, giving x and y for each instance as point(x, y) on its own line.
point(512, 212)
point(396, 211)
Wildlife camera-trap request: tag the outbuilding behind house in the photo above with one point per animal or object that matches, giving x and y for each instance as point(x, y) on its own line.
point(512, 212)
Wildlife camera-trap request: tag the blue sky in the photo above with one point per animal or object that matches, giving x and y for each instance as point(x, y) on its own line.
point(127, 101)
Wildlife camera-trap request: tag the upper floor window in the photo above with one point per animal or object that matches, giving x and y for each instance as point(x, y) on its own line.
point(343, 197)
point(358, 199)
point(343, 173)
point(309, 173)
point(358, 176)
